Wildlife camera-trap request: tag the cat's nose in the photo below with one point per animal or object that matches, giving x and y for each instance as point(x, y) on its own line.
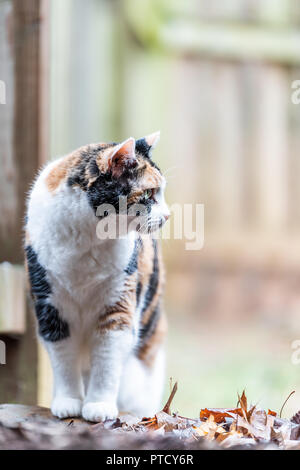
point(166, 216)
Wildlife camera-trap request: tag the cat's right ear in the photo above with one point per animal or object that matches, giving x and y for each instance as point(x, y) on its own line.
point(146, 144)
point(122, 157)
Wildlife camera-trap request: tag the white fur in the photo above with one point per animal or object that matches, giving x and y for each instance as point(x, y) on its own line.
point(85, 275)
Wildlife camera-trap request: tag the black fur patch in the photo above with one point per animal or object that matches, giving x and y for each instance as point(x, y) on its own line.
point(40, 287)
point(107, 189)
point(87, 160)
point(142, 147)
point(51, 326)
point(138, 292)
point(153, 281)
point(145, 150)
point(133, 262)
point(146, 331)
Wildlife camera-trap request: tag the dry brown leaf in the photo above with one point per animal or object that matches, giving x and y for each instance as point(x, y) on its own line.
point(250, 412)
point(282, 434)
point(220, 414)
point(169, 422)
point(243, 402)
point(166, 408)
point(261, 424)
point(222, 436)
point(296, 418)
point(209, 429)
point(242, 425)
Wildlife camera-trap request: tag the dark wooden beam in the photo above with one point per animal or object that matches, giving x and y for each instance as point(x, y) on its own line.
point(21, 139)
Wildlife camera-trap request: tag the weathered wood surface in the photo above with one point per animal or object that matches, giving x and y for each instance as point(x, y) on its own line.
point(34, 427)
point(12, 415)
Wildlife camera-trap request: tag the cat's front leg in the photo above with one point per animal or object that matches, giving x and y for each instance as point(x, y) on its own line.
point(68, 387)
point(110, 349)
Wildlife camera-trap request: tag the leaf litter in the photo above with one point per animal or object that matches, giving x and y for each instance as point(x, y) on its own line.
point(244, 426)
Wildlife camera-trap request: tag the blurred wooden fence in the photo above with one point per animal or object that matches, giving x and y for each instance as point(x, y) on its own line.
point(229, 122)
point(215, 78)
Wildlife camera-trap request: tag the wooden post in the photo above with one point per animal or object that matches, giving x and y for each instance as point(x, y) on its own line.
point(22, 142)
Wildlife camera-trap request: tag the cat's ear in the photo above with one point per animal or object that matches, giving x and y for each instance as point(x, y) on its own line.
point(146, 144)
point(122, 157)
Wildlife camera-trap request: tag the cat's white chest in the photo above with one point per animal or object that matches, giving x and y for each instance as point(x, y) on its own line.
point(92, 279)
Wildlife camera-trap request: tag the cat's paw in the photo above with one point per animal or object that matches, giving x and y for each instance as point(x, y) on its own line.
point(64, 407)
point(99, 411)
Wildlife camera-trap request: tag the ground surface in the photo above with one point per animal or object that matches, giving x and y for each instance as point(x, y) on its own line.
point(33, 427)
point(243, 427)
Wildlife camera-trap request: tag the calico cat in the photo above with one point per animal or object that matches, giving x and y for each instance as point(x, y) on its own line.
point(98, 301)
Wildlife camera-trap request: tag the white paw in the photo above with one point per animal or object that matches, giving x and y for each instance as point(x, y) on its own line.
point(66, 407)
point(99, 411)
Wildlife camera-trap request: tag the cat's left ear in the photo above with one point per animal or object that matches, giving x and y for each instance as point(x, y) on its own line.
point(122, 157)
point(146, 144)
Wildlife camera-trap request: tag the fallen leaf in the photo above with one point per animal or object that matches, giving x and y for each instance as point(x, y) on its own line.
point(166, 408)
point(220, 414)
point(243, 402)
point(209, 428)
point(296, 418)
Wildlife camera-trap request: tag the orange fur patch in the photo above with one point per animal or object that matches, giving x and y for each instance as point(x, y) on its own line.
point(103, 159)
point(59, 173)
point(152, 178)
point(120, 315)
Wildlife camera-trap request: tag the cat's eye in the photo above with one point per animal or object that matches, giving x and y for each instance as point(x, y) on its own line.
point(148, 194)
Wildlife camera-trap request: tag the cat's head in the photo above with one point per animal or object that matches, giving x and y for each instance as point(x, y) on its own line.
point(108, 172)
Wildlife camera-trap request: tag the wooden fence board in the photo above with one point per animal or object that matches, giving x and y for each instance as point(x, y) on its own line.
point(20, 30)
